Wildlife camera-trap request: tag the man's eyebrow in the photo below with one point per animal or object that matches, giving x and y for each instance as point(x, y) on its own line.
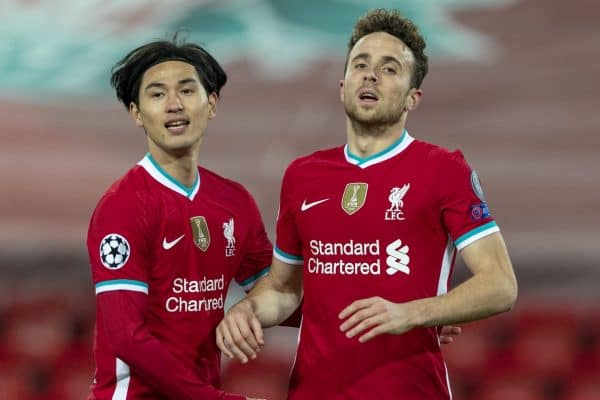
point(391, 59)
point(188, 80)
point(161, 85)
point(361, 55)
point(155, 85)
point(367, 56)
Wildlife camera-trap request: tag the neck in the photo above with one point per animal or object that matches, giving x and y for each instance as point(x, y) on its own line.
point(182, 167)
point(364, 140)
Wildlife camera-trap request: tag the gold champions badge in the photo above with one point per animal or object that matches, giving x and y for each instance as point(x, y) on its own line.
point(201, 233)
point(354, 197)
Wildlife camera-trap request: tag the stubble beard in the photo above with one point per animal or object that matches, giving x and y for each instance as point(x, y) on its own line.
point(374, 125)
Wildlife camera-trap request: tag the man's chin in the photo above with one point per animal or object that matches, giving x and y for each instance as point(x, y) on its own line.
point(367, 119)
point(372, 118)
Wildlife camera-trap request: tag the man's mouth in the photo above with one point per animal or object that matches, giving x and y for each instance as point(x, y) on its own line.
point(177, 125)
point(368, 96)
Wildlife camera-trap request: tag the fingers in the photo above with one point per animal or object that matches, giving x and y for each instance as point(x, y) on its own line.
point(221, 342)
point(378, 330)
point(230, 344)
point(241, 340)
point(448, 333)
point(373, 316)
point(451, 330)
point(240, 335)
point(258, 332)
point(363, 315)
point(356, 319)
point(365, 324)
point(355, 306)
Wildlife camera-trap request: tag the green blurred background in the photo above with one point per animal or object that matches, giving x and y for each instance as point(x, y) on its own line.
point(512, 83)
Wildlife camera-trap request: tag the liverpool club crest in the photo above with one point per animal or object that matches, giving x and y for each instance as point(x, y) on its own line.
point(228, 233)
point(395, 213)
point(201, 233)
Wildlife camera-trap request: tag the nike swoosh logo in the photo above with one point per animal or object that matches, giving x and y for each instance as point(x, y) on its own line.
point(305, 206)
point(169, 245)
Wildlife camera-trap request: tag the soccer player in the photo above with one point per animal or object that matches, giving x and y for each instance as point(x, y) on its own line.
point(367, 234)
point(167, 238)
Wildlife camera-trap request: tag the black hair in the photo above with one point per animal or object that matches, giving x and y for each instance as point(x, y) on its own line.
point(128, 72)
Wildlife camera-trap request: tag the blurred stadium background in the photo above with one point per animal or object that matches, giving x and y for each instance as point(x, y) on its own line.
point(512, 83)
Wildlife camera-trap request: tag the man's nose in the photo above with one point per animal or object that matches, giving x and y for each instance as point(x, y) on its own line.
point(371, 76)
point(174, 103)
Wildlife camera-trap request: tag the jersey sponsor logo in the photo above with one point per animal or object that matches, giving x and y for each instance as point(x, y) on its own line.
point(114, 251)
point(396, 196)
point(354, 197)
point(228, 233)
point(357, 258)
point(169, 245)
point(201, 233)
point(200, 295)
point(476, 185)
point(305, 206)
point(397, 259)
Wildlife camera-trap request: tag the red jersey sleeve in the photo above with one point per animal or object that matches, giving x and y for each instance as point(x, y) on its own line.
point(258, 250)
point(117, 244)
point(465, 213)
point(122, 318)
point(288, 246)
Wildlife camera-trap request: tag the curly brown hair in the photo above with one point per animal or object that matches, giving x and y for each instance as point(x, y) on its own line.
point(392, 22)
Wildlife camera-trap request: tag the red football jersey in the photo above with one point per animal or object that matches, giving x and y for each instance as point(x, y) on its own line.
point(387, 225)
point(181, 247)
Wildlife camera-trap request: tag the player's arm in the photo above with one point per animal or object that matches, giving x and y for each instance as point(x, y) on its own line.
point(491, 290)
point(123, 322)
point(274, 298)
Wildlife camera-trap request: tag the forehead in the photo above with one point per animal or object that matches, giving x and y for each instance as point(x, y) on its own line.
point(167, 71)
point(382, 44)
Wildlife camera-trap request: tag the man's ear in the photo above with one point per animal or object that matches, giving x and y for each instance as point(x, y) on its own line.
point(213, 99)
point(342, 90)
point(413, 99)
point(135, 114)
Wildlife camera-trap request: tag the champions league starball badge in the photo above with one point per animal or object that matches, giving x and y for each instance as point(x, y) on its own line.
point(114, 251)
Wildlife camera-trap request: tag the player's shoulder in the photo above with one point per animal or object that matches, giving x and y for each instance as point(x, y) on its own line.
point(127, 191)
point(317, 158)
point(438, 154)
point(219, 184)
point(128, 184)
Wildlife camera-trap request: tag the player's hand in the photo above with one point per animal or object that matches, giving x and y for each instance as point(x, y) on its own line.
point(239, 334)
point(448, 333)
point(374, 316)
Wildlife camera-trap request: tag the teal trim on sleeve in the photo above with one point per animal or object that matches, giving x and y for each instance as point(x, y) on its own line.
point(286, 255)
point(474, 232)
point(121, 282)
point(255, 277)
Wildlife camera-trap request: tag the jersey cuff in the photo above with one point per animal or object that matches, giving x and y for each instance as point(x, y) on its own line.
point(121, 284)
point(476, 234)
point(247, 284)
point(287, 258)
